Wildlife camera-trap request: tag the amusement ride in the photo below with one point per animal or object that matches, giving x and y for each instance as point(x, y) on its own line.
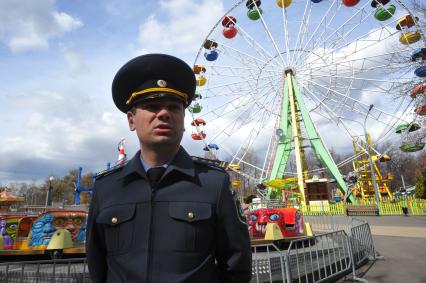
point(280, 82)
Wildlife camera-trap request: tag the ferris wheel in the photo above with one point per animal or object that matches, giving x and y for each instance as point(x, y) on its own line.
point(279, 81)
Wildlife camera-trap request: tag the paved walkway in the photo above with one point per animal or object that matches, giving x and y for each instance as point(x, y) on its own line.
point(402, 243)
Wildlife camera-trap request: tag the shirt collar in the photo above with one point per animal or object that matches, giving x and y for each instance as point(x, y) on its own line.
point(182, 162)
point(146, 166)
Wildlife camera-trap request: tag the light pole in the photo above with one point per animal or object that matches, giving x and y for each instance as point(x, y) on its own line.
point(49, 192)
point(373, 174)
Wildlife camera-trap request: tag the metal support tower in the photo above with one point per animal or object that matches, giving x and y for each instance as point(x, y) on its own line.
point(289, 134)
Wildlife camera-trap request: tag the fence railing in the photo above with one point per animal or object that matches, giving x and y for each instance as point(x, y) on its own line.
point(45, 271)
point(339, 246)
point(416, 207)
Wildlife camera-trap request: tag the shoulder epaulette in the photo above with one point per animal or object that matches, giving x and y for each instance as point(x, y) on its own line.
point(211, 162)
point(109, 171)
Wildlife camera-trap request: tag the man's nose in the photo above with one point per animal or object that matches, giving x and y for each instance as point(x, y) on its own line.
point(163, 113)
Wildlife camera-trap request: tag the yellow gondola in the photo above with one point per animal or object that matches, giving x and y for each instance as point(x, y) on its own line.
point(285, 2)
point(234, 166)
point(201, 81)
point(236, 184)
point(410, 37)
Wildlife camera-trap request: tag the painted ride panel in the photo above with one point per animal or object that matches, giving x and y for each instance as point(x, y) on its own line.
point(289, 220)
point(28, 235)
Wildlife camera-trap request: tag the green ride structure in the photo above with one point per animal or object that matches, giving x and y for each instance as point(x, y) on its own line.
point(293, 113)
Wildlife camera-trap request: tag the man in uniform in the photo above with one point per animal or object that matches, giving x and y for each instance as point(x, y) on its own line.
point(163, 217)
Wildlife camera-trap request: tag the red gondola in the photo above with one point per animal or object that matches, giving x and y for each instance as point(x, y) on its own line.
point(350, 3)
point(421, 110)
point(198, 136)
point(229, 32)
point(198, 122)
point(418, 89)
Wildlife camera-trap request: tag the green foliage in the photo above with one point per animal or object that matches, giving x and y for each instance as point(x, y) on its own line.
point(420, 185)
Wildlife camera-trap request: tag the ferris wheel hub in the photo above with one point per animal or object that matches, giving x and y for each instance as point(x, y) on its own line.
point(289, 70)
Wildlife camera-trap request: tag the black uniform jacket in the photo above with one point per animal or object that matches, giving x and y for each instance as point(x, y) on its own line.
point(187, 229)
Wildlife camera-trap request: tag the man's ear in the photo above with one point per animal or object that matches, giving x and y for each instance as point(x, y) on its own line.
point(131, 120)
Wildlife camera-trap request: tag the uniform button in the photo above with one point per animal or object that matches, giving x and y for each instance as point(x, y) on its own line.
point(190, 215)
point(114, 220)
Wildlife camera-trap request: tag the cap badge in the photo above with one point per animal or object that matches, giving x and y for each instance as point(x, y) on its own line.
point(161, 83)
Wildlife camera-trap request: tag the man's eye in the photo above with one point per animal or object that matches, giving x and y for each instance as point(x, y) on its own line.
point(174, 107)
point(152, 107)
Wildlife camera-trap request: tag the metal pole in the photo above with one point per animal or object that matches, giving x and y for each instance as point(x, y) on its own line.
point(47, 196)
point(373, 174)
point(49, 193)
point(403, 183)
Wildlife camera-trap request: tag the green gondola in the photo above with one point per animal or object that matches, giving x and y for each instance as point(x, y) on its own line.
point(406, 126)
point(196, 108)
point(254, 14)
point(412, 147)
point(383, 14)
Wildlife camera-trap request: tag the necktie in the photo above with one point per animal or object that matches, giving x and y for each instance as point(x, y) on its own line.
point(154, 174)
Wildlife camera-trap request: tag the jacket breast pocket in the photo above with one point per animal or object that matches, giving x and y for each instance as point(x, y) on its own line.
point(118, 222)
point(192, 224)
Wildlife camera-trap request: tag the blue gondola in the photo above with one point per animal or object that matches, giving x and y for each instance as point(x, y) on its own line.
point(419, 53)
point(211, 55)
point(213, 146)
point(316, 1)
point(420, 72)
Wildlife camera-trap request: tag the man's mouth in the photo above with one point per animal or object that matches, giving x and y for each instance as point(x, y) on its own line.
point(163, 127)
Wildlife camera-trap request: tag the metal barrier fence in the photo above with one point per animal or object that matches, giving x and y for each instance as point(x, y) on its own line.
point(45, 271)
point(416, 207)
point(339, 246)
point(322, 258)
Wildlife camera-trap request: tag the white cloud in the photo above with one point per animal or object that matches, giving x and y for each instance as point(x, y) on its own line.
point(56, 132)
point(27, 25)
point(179, 27)
point(74, 61)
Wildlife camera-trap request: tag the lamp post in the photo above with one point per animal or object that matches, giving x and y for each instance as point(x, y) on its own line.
point(49, 192)
point(373, 174)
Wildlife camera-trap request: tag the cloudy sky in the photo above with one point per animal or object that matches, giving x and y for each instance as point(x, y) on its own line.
point(58, 59)
point(57, 62)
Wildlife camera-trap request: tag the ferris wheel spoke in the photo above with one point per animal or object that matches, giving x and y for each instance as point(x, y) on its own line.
point(256, 45)
point(333, 4)
point(362, 107)
point(374, 58)
point(244, 57)
point(339, 31)
point(357, 78)
point(232, 105)
point(285, 29)
point(244, 68)
point(341, 37)
point(238, 82)
point(232, 88)
point(339, 120)
point(251, 136)
point(302, 28)
point(362, 65)
point(363, 41)
point(268, 32)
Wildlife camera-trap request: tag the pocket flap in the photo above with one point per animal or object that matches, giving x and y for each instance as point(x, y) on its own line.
point(190, 212)
point(116, 214)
